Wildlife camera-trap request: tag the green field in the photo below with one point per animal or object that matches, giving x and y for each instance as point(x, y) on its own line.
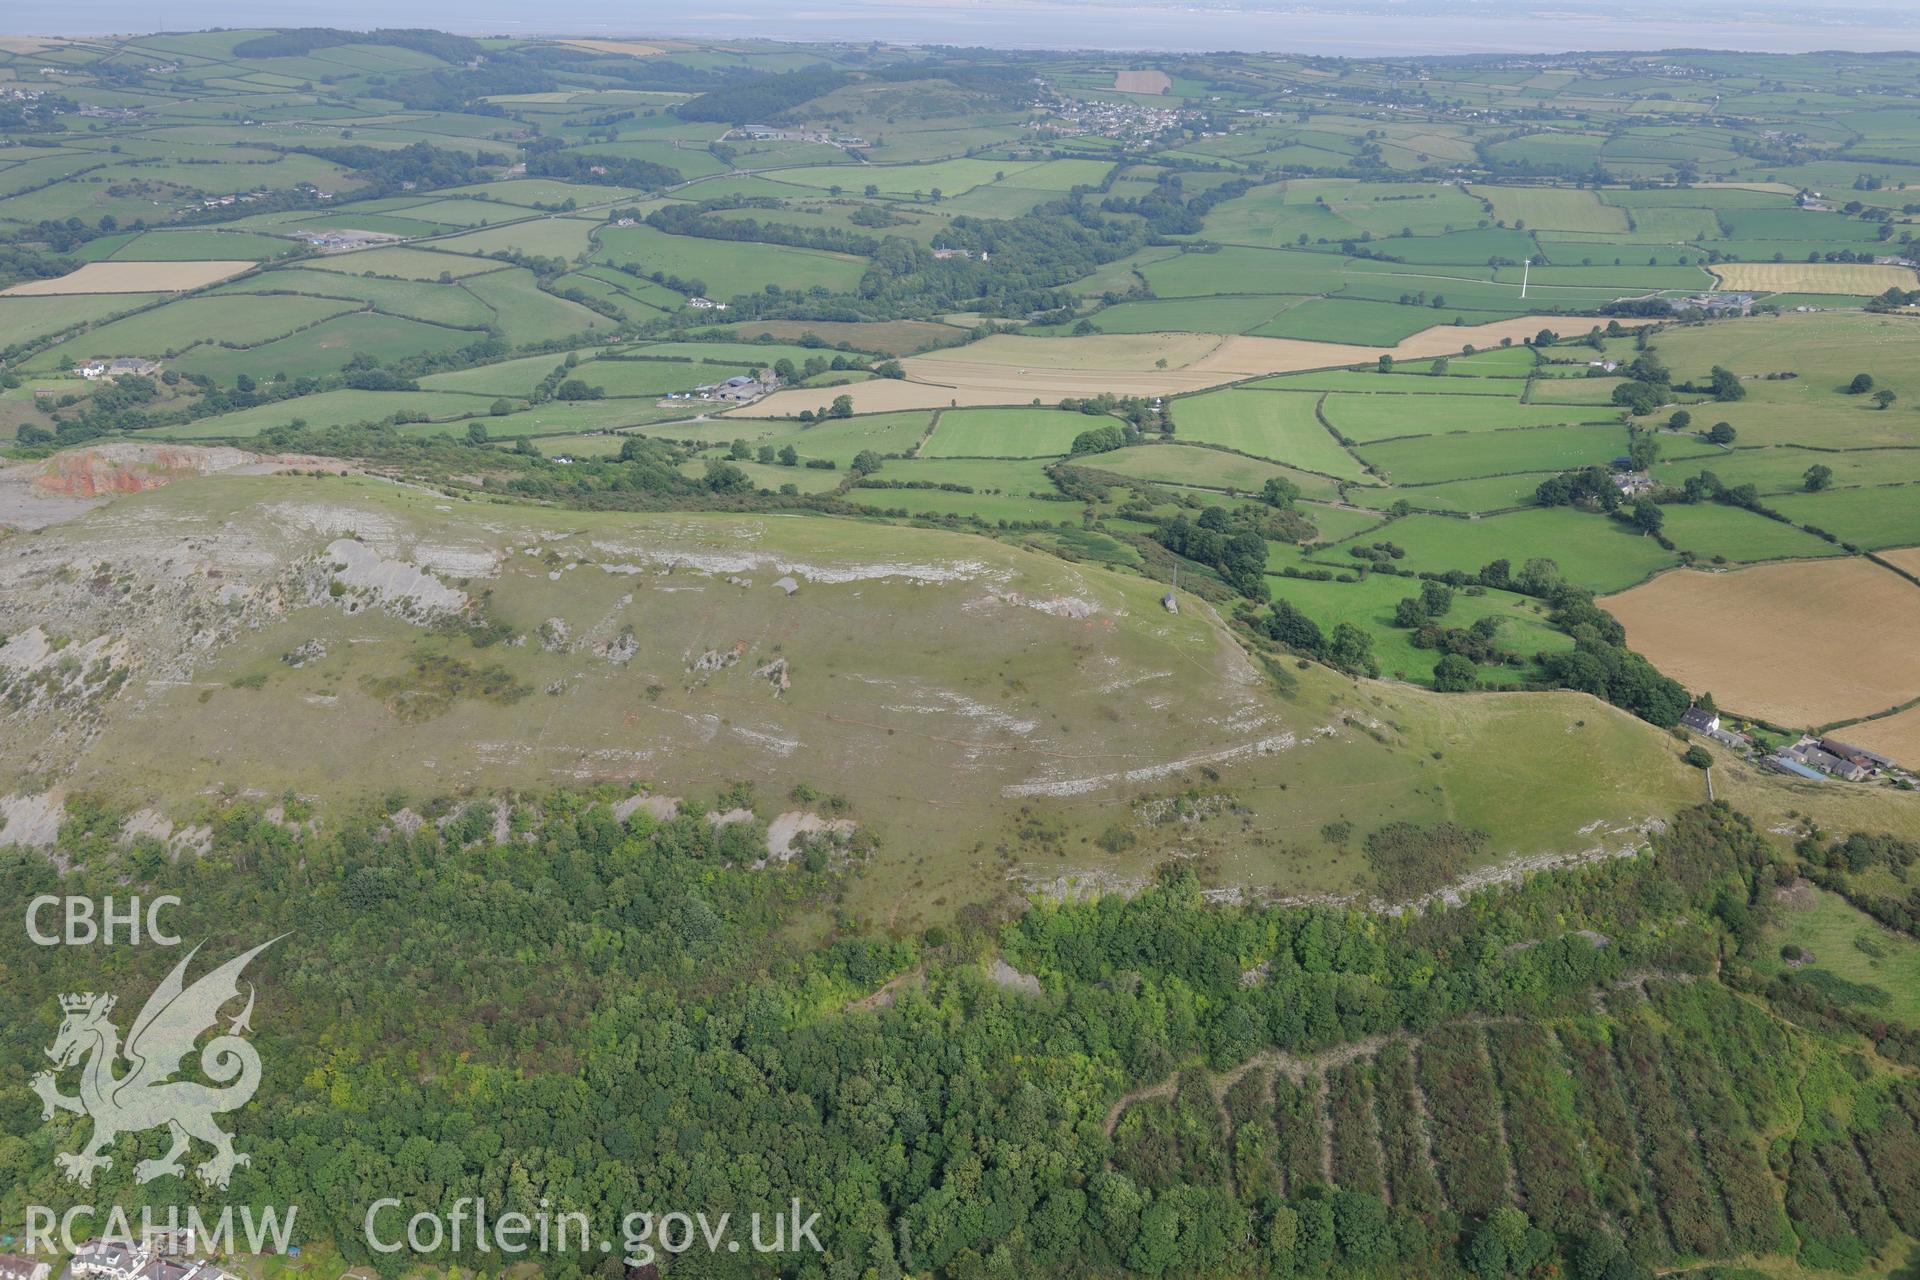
point(186, 246)
point(1007, 433)
point(330, 406)
point(326, 347)
point(505, 378)
point(1190, 315)
point(1395, 383)
point(1284, 428)
point(1206, 469)
point(418, 300)
point(1370, 603)
point(1871, 518)
point(30, 319)
point(728, 268)
point(405, 263)
point(1717, 532)
point(1378, 324)
point(1783, 469)
point(1368, 418)
point(1595, 552)
point(201, 324)
point(1002, 491)
point(886, 434)
point(1492, 493)
point(1428, 459)
point(1837, 938)
point(525, 315)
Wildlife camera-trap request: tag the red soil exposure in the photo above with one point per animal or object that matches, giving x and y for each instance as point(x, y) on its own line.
point(90, 473)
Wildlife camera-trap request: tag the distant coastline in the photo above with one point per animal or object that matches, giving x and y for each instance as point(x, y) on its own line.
point(1002, 24)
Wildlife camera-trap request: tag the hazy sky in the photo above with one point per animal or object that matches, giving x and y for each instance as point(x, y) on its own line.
point(1414, 27)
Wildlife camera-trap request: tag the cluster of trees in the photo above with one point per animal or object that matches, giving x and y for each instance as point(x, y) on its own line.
point(385, 171)
point(1225, 543)
point(1169, 211)
point(1349, 648)
point(1601, 664)
point(1099, 440)
point(297, 42)
point(1722, 384)
point(1862, 383)
point(762, 98)
point(842, 407)
point(550, 161)
point(465, 89)
point(1463, 650)
point(695, 220)
point(1136, 411)
point(1894, 299)
point(787, 371)
point(1649, 384)
point(35, 115)
point(1590, 487)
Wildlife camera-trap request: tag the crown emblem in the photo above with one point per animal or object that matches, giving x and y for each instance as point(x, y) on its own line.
point(84, 1001)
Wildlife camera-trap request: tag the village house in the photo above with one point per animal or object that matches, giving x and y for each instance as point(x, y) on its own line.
point(122, 1260)
point(109, 1260)
point(15, 1267)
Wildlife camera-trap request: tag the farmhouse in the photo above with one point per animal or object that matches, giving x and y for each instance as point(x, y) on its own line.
point(1632, 484)
point(1809, 753)
point(1858, 755)
point(774, 133)
point(706, 304)
point(15, 1267)
point(741, 388)
point(342, 239)
point(1787, 764)
point(116, 367)
point(1716, 304)
point(1700, 720)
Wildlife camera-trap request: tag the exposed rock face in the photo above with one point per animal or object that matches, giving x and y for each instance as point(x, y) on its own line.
point(131, 467)
point(35, 495)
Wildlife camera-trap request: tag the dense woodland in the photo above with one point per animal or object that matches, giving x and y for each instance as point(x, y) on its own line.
point(623, 1016)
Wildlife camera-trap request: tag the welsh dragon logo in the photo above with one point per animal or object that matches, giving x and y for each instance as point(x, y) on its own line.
point(144, 1095)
